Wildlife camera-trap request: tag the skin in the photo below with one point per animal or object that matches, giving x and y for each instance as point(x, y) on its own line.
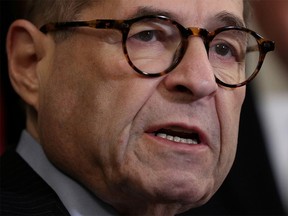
point(94, 116)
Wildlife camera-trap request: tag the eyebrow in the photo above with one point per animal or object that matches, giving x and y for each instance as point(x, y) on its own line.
point(224, 17)
point(229, 19)
point(146, 11)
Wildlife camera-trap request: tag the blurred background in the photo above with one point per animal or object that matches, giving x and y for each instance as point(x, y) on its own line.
point(12, 118)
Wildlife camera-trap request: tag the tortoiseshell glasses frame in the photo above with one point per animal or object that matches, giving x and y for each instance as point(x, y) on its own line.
point(151, 37)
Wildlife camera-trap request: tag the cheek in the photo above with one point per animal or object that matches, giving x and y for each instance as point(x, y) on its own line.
point(86, 108)
point(229, 103)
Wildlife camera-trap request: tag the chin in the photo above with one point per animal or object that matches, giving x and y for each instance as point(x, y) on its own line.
point(188, 192)
point(194, 200)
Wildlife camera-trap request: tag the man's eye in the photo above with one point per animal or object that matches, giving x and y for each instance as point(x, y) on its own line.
point(223, 49)
point(145, 36)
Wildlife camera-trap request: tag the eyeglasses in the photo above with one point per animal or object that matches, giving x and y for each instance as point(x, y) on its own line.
point(155, 45)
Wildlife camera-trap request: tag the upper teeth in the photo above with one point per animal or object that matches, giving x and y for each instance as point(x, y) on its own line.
point(177, 139)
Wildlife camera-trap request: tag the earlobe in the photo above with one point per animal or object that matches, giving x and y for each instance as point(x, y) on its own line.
point(25, 51)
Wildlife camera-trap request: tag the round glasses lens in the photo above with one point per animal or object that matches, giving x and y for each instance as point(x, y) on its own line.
point(152, 45)
point(234, 56)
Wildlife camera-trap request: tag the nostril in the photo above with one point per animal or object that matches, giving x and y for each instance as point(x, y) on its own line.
point(181, 88)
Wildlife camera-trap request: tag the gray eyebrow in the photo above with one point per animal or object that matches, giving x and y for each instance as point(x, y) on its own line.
point(229, 19)
point(146, 11)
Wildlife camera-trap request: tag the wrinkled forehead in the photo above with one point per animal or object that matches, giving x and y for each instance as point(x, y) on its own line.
point(187, 12)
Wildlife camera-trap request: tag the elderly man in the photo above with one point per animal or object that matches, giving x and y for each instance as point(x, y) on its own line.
point(132, 106)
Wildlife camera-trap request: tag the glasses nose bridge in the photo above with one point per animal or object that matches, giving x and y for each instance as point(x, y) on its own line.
point(199, 32)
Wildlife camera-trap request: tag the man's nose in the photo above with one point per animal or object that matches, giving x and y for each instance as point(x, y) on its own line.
point(194, 74)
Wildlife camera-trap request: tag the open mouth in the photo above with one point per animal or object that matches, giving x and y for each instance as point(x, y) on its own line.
point(190, 138)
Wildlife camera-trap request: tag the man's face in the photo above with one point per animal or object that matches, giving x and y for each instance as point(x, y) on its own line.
point(130, 138)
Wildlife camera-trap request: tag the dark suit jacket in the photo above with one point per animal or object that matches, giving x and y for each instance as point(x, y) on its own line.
point(23, 192)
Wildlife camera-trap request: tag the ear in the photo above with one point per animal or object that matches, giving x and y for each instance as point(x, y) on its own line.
point(25, 50)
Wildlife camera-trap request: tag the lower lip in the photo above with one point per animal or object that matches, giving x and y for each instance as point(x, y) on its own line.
point(177, 145)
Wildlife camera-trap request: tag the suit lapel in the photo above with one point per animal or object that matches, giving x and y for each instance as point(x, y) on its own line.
point(24, 192)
